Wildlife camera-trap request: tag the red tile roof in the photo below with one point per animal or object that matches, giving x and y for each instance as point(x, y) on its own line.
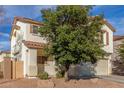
point(7, 59)
point(31, 44)
point(25, 20)
point(7, 52)
point(117, 37)
point(31, 21)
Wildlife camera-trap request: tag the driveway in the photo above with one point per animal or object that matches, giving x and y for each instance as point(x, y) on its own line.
point(115, 78)
point(59, 83)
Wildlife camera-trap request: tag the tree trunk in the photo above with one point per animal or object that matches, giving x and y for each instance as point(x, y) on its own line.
point(66, 76)
point(66, 71)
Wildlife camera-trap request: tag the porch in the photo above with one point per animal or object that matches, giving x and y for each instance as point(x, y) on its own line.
point(36, 62)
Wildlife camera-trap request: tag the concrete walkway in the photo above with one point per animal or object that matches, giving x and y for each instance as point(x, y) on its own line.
point(116, 78)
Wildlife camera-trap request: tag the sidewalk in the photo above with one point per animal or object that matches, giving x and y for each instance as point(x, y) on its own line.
point(116, 78)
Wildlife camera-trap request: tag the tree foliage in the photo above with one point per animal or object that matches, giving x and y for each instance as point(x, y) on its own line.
point(118, 63)
point(73, 36)
point(121, 52)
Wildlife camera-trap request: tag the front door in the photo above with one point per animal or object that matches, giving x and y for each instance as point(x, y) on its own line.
point(40, 63)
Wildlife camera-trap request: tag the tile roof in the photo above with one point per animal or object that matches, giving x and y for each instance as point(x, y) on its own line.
point(109, 25)
point(31, 21)
point(7, 59)
point(104, 21)
point(25, 20)
point(35, 45)
point(7, 52)
point(117, 37)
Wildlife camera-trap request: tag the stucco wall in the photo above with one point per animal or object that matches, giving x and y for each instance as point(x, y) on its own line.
point(108, 48)
point(32, 62)
point(32, 37)
point(29, 57)
point(50, 68)
point(13, 42)
point(102, 67)
point(1, 57)
point(116, 44)
point(23, 28)
point(24, 58)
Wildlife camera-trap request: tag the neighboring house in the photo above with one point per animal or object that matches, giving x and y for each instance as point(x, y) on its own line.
point(117, 66)
point(108, 47)
point(4, 55)
point(117, 41)
point(27, 47)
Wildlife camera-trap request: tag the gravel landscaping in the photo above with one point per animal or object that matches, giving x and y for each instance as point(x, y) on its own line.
point(59, 83)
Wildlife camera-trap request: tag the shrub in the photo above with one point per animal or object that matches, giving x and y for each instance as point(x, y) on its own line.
point(43, 75)
point(59, 75)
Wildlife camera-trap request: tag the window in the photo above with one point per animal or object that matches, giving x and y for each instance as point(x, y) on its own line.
point(105, 38)
point(15, 34)
point(34, 29)
point(41, 59)
point(100, 37)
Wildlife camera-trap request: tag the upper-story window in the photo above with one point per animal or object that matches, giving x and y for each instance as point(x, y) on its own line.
point(14, 34)
point(34, 29)
point(105, 37)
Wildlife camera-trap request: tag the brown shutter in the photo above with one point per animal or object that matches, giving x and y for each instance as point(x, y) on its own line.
point(31, 28)
point(15, 34)
point(99, 37)
point(17, 27)
point(107, 38)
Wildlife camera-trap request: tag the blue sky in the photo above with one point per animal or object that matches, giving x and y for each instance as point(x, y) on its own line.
point(114, 14)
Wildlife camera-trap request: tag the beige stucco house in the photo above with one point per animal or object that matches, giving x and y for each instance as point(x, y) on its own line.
point(27, 47)
point(4, 55)
point(104, 66)
point(117, 41)
point(117, 64)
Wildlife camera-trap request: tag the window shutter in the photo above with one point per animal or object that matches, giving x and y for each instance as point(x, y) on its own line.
point(100, 37)
point(31, 28)
point(107, 38)
point(15, 34)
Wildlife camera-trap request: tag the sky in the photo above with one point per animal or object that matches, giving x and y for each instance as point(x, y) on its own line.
point(114, 15)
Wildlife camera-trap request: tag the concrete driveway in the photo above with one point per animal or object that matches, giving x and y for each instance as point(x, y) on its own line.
point(115, 78)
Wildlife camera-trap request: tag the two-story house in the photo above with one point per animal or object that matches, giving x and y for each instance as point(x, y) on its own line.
point(117, 41)
point(27, 47)
point(104, 66)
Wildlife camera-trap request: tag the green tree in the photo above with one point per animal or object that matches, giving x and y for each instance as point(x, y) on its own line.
point(72, 35)
point(120, 51)
point(118, 63)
